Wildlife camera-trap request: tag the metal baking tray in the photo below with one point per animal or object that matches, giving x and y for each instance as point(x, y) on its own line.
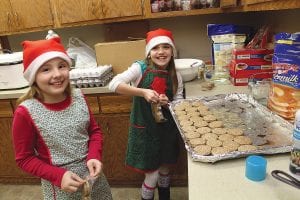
point(256, 118)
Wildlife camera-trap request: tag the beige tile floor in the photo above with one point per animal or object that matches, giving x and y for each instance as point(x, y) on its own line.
point(33, 192)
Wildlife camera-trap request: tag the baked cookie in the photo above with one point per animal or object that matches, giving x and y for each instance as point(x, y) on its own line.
point(196, 119)
point(213, 143)
point(192, 135)
point(242, 140)
point(197, 141)
point(197, 104)
point(191, 109)
point(203, 150)
point(209, 118)
point(216, 124)
point(219, 131)
point(219, 150)
point(231, 145)
point(200, 124)
point(247, 148)
point(203, 130)
point(204, 111)
point(210, 136)
point(185, 123)
point(226, 137)
point(235, 131)
point(180, 112)
point(188, 128)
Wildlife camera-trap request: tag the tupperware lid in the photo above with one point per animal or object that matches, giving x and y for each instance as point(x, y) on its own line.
point(11, 58)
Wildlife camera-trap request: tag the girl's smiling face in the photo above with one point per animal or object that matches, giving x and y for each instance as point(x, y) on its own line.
point(53, 78)
point(161, 55)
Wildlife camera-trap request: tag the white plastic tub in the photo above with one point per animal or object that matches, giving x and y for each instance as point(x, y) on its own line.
point(188, 68)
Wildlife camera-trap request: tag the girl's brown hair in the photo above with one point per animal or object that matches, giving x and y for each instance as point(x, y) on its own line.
point(35, 92)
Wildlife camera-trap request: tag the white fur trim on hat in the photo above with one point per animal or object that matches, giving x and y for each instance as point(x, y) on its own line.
point(31, 70)
point(160, 40)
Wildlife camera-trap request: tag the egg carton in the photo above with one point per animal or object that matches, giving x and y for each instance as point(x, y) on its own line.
point(91, 77)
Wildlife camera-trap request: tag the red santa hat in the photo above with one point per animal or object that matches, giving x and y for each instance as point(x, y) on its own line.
point(36, 53)
point(159, 36)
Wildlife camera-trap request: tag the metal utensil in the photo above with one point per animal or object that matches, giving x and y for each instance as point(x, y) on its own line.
point(286, 178)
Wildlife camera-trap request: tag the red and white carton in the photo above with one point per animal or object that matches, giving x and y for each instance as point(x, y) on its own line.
point(253, 55)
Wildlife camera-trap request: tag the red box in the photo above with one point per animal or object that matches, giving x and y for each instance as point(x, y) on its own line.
point(247, 68)
point(239, 81)
point(243, 79)
point(260, 55)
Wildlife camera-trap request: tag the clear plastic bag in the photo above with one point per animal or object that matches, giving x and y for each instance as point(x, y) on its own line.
point(82, 55)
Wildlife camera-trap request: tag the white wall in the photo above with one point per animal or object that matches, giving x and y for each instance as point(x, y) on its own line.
point(189, 32)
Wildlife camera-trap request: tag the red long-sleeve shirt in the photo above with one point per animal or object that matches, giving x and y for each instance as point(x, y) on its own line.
point(31, 153)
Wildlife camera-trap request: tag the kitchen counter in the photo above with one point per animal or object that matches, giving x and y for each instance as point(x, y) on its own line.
point(226, 179)
point(14, 94)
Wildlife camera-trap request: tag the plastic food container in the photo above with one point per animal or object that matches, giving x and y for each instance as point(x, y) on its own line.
point(188, 68)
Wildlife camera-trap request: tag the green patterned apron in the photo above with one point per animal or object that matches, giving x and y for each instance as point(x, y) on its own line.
point(151, 144)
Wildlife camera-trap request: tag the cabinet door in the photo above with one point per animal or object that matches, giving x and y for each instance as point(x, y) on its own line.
point(28, 14)
point(72, 11)
point(9, 171)
point(115, 129)
point(5, 16)
point(121, 8)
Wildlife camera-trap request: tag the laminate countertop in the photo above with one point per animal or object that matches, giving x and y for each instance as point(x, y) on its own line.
point(14, 94)
point(226, 179)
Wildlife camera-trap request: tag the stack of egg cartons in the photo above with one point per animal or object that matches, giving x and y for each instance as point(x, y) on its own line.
point(91, 77)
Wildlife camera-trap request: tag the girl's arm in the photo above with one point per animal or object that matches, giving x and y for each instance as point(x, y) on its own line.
point(120, 84)
point(179, 94)
point(26, 140)
point(95, 140)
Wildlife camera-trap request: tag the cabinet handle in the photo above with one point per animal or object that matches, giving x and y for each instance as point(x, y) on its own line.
point(103, 14)
point(17, 19)
point(8, 19)
point(143, 6)
point(107, 128)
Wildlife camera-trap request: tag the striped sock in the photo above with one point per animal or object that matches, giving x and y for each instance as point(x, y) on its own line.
point(147, 192)
point(163, 180)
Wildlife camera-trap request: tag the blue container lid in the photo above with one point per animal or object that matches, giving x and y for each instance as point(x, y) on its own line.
point(256, 168)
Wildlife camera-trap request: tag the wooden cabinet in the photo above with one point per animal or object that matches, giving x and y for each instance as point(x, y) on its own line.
point(228, 6)
point(95, 11)
point(18, 16)
point(24, 15)
point(72, 11)
point(9, 172)
point(121, 8)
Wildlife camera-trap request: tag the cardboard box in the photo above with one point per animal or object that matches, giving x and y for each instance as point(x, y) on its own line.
point(253, 55)
point(247, 68)
point(243, 79)
point(120, 54)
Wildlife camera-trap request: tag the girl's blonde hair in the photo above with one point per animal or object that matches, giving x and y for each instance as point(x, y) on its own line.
point(35, 92)
point(172, 72)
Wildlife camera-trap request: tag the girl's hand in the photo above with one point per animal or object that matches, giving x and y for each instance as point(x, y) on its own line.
point(94, 166)
point(151, 96)
point(163, 99)
point(71, 182)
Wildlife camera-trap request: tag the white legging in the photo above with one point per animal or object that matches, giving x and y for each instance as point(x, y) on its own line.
point(152, 177)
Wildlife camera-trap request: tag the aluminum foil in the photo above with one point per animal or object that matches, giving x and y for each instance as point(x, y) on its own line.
point(258, 122)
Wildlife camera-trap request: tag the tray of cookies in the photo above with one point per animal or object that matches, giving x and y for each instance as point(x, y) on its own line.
point(229, 126)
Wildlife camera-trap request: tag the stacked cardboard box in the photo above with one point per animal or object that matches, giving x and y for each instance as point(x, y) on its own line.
point(250, 63)
point(120, 54)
